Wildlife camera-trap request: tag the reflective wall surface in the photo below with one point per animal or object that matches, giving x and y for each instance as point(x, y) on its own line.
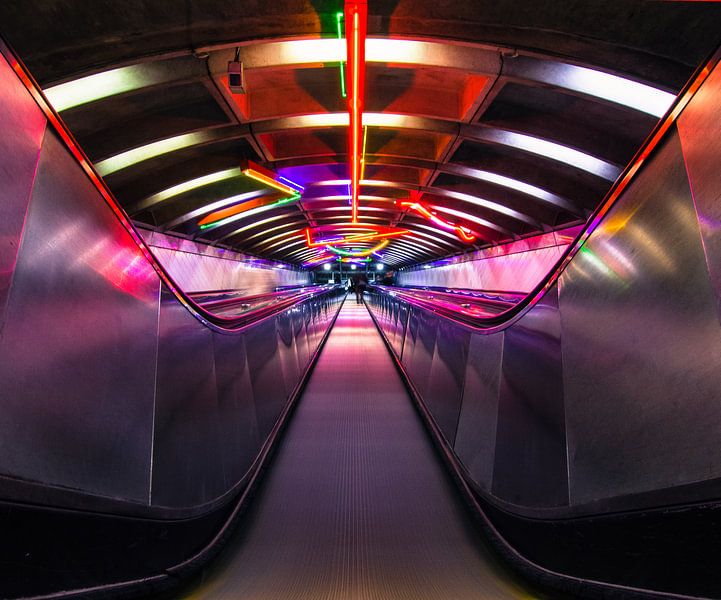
point(199, 267)
point(515, 267)
point(605, 393)
point(110, 388)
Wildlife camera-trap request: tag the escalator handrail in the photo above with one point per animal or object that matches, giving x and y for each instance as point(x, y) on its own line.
point(205, 316)
point(503, 320)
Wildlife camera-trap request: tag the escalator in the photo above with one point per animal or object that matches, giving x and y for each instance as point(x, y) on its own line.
point(356, 503)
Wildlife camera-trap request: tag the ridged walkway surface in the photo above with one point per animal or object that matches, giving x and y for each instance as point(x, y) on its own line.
point(356, 505)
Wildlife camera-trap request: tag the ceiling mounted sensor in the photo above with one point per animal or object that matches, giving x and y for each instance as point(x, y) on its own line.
point(236, 75)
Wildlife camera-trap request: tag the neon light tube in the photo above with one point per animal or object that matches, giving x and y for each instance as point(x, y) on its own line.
point(286, 189)
point(356, 16)
point(338, 19)
point(463, 233)
point(219, 215)
point(358, 253)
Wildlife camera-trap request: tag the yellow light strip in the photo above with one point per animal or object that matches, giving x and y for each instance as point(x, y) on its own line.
point(253, 174)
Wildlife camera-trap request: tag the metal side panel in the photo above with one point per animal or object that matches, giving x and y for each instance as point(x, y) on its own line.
point(266, 374)
point(403, 313)
point(22, 125)
point(476, 437)
point(238, 424)
point(445, 382)
point(187, 447)
point(77, 353)
point(419, 366)
point(530, 459)
point(699, 128)
point(409, 343)
point(286, 351)
point(301, 337)
point(641, 344)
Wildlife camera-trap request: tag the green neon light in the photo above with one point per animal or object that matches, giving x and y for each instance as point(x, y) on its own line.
point(348, 253)
point(338, 18)
point(292, 198)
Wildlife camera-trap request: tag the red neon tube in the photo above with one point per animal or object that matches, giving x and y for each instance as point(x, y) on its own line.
point(356, 19)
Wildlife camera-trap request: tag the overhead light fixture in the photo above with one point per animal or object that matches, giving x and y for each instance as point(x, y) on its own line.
point(358, 253)
point(462, 233)
point(327, 267)
point(356, 18)
point(272, 179)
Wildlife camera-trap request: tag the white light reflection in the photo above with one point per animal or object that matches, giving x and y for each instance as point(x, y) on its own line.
point(136, 155)
point(548, 149)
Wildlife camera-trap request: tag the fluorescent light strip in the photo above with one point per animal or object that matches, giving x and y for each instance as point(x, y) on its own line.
point(482, 202)
point(272, 229)
point(434, 238)
point(415, 244)
point(547, 149)
point(238, 217)
point(143, 153)
point(598, 84)
point(186, 186)
point(472, 218)
point(584, 80)
point(213, 206)
point(513, 184)
point(253, 225)
point(101, 85)
point(421, 242)
point(435, 230)
point(284, 247)
point(286, 235)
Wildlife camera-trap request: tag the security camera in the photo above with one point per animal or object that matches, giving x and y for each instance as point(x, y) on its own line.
point(236, 77)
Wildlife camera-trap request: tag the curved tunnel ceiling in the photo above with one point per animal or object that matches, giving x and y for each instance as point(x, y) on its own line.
point(507, 119)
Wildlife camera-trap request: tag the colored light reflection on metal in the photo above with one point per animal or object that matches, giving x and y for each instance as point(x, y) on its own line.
point(358, 253)
point(356, 19)
point(338, 19)
point(463, 233)
point(268, 177)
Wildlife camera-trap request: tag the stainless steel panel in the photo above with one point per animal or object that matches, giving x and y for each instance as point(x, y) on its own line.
point(266, 374)
point(699, 128)
point(445, 383)
point(641, 344)
point(238, 425)
point(300, 336)
point(187, 452)
point(77, 353)
point(286, 351)
point(403, 313)
point(476, 437)
point(423, 350)
point(409, 343)
point(530, 458)
point(22, 125)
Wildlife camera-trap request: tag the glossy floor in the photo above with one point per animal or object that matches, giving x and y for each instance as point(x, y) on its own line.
point(356, 505)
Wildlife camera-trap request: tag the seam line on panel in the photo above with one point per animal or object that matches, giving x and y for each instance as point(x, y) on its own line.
point(21, 238)
point(155, 396)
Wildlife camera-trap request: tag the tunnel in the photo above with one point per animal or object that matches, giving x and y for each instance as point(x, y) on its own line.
point(360, 299)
